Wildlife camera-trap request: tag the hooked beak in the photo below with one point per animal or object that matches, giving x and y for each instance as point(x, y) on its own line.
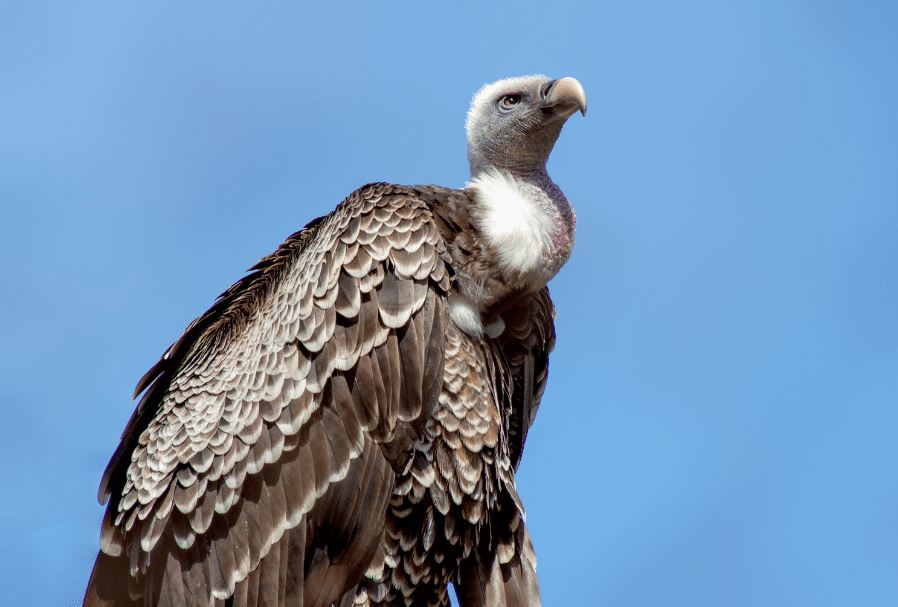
point(564, 97)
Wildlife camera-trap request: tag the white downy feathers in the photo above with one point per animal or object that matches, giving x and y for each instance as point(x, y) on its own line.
point(466, 315)
point(515, 223)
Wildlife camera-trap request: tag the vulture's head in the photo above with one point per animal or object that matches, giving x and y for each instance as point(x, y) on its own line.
point(513, 123)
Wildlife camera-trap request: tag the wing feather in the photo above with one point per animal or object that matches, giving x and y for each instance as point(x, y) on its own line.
point(526, 343)
point(278, 413)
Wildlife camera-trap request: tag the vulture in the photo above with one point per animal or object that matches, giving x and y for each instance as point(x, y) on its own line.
point(342, 427)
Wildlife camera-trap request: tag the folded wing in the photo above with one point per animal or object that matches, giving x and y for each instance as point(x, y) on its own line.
point(260, 460)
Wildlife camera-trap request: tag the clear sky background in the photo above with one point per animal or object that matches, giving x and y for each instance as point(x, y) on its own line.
point(720, 425)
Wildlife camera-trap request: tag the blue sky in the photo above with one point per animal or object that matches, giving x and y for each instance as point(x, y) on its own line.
point(720, 425)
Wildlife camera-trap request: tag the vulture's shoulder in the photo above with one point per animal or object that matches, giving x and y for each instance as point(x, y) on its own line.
point(345, 310)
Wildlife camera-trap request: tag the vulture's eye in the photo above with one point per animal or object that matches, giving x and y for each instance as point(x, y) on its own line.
point(507, 102)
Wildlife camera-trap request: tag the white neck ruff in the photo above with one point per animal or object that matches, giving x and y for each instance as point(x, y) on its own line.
point(518, 221)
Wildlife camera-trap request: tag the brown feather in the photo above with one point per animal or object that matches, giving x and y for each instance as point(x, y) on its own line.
point(317, 405)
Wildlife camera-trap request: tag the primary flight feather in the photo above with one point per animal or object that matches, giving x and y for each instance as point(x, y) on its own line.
point(343, 425)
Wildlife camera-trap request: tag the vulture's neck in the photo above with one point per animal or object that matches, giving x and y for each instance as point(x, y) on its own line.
point(507, 234)
point(527, 222)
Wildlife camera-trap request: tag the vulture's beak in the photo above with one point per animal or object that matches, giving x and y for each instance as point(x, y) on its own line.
point(563, 97)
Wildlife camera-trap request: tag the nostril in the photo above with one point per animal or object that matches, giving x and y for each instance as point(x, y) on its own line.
point(547, 87)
